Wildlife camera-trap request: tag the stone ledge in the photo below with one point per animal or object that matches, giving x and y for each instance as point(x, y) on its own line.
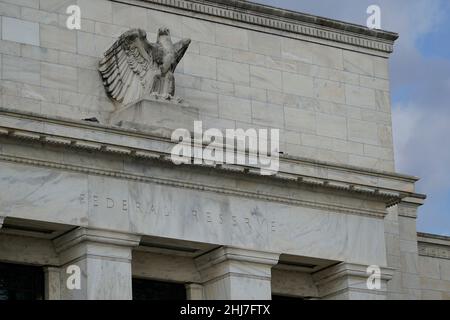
point(105, 138)
point(433, 238)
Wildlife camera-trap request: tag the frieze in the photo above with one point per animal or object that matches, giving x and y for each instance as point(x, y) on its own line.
point(196, 215)
point(435, 251)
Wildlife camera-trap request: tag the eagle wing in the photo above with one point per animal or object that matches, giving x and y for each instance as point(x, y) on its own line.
point(180, 48)
point(127, 68)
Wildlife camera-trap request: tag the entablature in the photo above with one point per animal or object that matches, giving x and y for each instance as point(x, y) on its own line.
point(389, 188)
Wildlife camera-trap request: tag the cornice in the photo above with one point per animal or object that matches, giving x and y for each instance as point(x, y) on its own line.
point(285, 20)
point(433, 238)
point(96, 127)
point(388, 196)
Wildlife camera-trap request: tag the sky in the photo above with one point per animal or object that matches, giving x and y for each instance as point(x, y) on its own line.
point(420, 90)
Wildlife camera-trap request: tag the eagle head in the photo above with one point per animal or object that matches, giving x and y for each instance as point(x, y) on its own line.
point(163, 31)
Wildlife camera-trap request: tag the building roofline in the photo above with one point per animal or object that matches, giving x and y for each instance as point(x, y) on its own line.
point(279, 21)
point(305, 17)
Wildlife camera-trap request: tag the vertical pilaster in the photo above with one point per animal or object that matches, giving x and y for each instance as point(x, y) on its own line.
point(102, 260)
point(231, 273)
point(52, 283)
point(409, 252)
point(402, 251)
point(194, 291)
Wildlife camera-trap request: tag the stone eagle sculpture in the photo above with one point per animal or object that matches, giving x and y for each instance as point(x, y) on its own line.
point(134, 67)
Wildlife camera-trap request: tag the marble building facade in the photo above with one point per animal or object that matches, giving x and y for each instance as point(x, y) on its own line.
point(107, 198)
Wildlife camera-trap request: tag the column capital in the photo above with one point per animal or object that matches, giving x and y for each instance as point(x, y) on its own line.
point(349, 281)
point(226, 253)
point(82, 234)
point(408, 207)
point(235, 273)
point(348, 269)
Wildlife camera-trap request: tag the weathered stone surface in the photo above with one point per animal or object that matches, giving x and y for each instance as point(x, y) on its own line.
point(58, 76)
point(21, 70)
point(265, 78)
point(265, 44)
point(58, 38)
point(300, 120)
point(23, 31)
point(297, 84)
point(200, 66)
point(331, 126)
point(329, 90)
point(235, 108)
point(231, 37)
point(237, 73)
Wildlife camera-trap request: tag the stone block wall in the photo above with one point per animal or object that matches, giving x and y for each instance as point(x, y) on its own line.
point(330, 101)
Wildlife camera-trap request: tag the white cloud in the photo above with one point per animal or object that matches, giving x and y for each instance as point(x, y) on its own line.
point(422, 145)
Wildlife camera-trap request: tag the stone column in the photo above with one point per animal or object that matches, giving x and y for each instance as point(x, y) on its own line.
point(52, 283)
point(100, 259)
point(348, 281)
point(1, 221)
point(231, 273)
point(194, 291)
